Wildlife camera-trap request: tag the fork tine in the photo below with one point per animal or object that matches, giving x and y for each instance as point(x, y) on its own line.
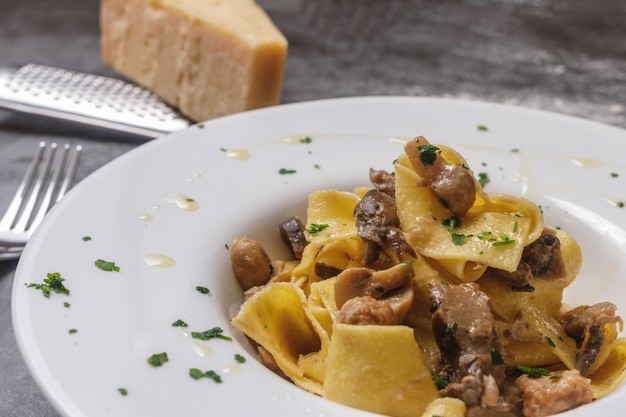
point(22, 223)
point(16, 203)
point(57, 170)
point(68, 181)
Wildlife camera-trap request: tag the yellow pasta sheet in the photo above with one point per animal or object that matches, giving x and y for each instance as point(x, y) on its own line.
point(378, 369)
point(496, 228)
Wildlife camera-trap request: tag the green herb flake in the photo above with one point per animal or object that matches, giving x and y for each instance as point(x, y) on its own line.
point(483, 179)
point(123, 392)
point(52, 283)
point(86, 238)
point(306, 139)
point(428, 154)
point(285, 171)
point(213, 333)
point(550, 341)
point(158, 359)
point(179, 323)
point(239, 358)
point(72, 331)
point(458, 238)
point(203, 290)
point(440, 381)
point(317, 166)
point(534, 372)
point(451, 223)
point(196, 374)
point(316, 228)
point(496, 358)
point(106, 265)
point(515, 227)
point(482, 128)
point(450, 331)
point(200, 125)
point(614, 175)
point(514, 150)
point(66, 304)
point(620, 204)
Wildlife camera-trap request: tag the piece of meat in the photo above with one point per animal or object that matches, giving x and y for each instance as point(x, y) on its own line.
point(542, 258)
point(465, 332)
point(250, 263)
point(390, 309)
point(366, 310)
point(383, 181)
point(548, 395)
point(585, 324)
point(292, 232)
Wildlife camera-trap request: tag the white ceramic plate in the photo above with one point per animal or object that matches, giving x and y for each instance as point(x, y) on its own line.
point(230, 167)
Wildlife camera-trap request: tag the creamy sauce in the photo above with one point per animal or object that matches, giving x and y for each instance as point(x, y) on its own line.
point(146, 217)
point(159, 261)
point(183, 201)
point(238, 154)
point(201, 350)
point(232, 369)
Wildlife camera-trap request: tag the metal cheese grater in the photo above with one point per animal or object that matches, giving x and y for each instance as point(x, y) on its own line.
point(87, 99)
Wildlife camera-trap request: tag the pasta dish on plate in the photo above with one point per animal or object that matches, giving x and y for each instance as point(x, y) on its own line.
point(425, 295)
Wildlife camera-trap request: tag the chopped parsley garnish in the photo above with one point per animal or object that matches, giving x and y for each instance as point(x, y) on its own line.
point(440, 381)
point(550, 341)
point(450, 330)
point(72, 331)
point(200, 125)
point(317, 166)
point(123, 391)
point(306, 139)
point(483, 179)
point(285, 171)
point(66, 304)
point(86, 238)
point(614, 175)
point(179, 323)
point(452, 223)
point(515, 150)
point(239, 358)
point(458, 238)
point(534, 372)
point(316, 228)
point(203, 290)
point(158, 359)
point(213, 333)
point(428, 153)
point(620, 204)
point(52, 283)
point(496, 358)
point(505, 241)
point(482, 128)
point(106, 265)
point(196, 374)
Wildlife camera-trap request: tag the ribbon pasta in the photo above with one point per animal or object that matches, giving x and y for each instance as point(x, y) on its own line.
point(388, 369)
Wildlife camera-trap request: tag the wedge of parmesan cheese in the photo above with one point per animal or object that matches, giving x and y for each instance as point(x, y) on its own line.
point(208, 58)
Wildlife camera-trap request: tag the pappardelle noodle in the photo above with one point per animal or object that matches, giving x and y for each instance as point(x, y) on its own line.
point(425, 295)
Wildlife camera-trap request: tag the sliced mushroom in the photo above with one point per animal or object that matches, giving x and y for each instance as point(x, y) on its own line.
point(452, 185)
point(292, 232)
point(383, 181)
point(250, 263)
point(358, 282)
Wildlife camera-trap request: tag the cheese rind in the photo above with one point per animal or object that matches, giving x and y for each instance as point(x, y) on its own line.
point(209, 58)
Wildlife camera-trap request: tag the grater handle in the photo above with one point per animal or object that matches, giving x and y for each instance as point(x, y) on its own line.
point(91, 100)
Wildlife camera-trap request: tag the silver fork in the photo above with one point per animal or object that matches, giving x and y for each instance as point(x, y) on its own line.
point(48, 177)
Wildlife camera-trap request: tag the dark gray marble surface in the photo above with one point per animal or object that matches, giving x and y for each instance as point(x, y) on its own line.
point(563, 56)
